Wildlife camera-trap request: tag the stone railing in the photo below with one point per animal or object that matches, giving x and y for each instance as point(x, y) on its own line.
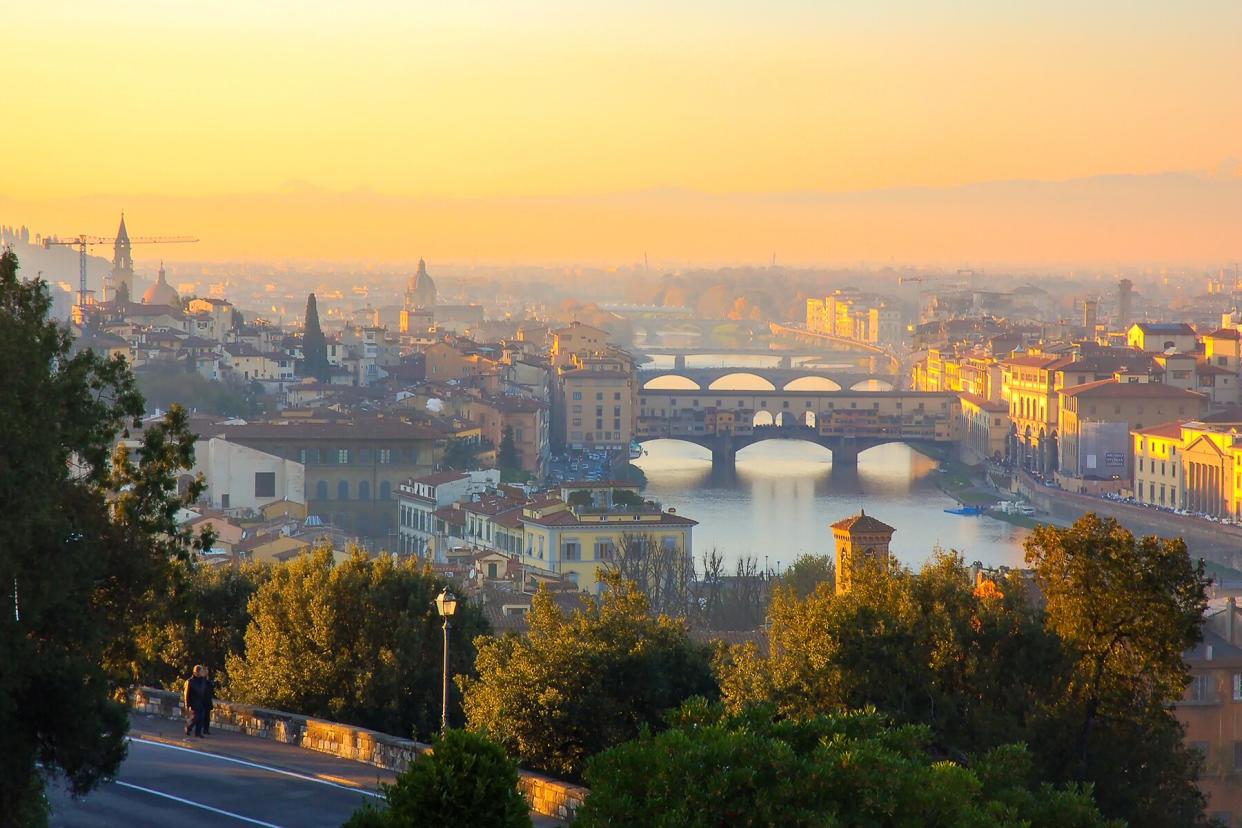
point(547, 796)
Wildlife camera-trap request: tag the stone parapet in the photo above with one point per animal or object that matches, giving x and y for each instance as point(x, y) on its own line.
point(547, 796)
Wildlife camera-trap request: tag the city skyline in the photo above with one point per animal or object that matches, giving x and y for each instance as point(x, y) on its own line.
point(561, 132)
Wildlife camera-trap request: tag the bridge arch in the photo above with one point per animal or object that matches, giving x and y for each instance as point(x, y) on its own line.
point(812, 383)
point(671, 382)
point(741, 381)
point(762, 417)
point(873, 384)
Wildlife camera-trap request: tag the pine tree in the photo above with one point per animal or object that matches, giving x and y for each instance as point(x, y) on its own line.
point(314, 345)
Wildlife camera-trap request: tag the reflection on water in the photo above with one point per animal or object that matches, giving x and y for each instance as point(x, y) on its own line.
point(786, 492)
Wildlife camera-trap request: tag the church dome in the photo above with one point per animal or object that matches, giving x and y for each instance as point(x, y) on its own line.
point(161, 293)
point(420, 292)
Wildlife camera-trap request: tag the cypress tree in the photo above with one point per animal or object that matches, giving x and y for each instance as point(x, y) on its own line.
point(314, 345)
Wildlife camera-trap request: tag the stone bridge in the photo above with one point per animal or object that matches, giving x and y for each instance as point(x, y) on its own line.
point(844, 422)
point(806, 378)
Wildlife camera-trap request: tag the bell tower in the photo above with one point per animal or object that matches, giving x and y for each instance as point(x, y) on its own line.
point(122, 262)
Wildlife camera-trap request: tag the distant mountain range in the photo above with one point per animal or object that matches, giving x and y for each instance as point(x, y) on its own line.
point(1178, 218)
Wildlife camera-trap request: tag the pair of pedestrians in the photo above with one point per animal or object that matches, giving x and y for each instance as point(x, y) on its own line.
point(197, 700)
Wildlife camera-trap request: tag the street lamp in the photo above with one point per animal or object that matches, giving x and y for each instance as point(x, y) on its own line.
point(446, 605)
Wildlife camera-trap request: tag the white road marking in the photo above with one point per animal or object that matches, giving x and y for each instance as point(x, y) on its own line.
point(194, 804)
point(302, 776)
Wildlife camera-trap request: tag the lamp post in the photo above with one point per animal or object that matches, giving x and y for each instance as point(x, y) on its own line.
point(446, 605)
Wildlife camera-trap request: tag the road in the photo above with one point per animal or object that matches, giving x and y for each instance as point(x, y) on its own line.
point(224, 779)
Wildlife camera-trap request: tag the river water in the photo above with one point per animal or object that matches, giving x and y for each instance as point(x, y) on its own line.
point(785, 494)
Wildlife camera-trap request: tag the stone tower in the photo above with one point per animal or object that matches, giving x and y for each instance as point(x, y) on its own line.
point(122, 264)
point(859, 538)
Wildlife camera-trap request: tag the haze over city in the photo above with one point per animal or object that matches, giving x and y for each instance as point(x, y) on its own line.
point(562, 132)
point(601, 413)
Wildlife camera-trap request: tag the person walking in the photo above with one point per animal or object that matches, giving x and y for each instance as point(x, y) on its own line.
point(194, 699)
point(209, 699)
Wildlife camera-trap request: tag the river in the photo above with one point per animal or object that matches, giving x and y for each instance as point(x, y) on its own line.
point(786, 493)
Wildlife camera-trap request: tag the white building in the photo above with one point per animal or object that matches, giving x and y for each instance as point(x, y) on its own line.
point(240, 478)
point(418, 499)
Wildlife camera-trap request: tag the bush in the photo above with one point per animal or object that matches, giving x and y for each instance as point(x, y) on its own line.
point(465, 780)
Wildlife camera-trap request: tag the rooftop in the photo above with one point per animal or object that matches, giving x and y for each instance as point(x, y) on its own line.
point(863, 522)
point(1112, 389)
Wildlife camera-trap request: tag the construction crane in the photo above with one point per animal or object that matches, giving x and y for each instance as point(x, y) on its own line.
point(83, 241)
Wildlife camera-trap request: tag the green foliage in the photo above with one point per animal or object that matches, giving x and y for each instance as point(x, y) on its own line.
point(1127, 609)
point(88, 547)
point(584, 681)
point(208, 623)
point(165, 386)
point(844, 769)
point(808, 572)
point(581, 499)
point(357, 642)
point(465, 780)
point(627, 498)
point(922, 647)
point(314, 344)
point(462, 454)
point(507, 458)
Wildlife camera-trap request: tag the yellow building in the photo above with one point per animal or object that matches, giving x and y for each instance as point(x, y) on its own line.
point(578, 542)
point(1157, 465)
point(1029, 389)
point(1194, 465)
point(598, 404)
point(1096, 420)
point(576, 341)
point(856, 539)
point(1156, 337)
point(985, 428)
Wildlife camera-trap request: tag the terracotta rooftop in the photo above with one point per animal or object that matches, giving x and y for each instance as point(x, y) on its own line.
point(863, 522)
point(1129, 390)
point(981, 402)
point(1173, 429)
point(1224, 333)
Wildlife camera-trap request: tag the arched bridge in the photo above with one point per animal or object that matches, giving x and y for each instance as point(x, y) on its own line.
point(844, 422)
point(806, 378)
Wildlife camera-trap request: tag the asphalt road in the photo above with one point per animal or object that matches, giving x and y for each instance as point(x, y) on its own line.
point(225, 779)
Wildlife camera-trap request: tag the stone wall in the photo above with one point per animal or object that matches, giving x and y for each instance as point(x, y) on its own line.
point(547, 796)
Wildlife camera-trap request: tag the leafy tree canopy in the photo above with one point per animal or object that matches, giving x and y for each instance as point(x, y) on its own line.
point(808, 572)
point(464, 780)
point(843, 769)
point(584, 681)
point(88, 547)
point(358, 642)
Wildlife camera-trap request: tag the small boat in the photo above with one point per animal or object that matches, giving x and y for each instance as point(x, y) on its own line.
point(966, 510)
point(636, 450)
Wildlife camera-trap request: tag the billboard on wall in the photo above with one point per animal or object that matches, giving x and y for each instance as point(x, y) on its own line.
point(1104, 450)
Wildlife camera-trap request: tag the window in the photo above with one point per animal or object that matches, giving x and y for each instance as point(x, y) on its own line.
point(491, 570)
point(342, 490)
point(385, 456)
point(342, 456)
point(572, 551)
point(364, 490)
point(1237, 686)
point(1200, 689)
point(577, 395)
point(604, 550)
point(302, 455)
point(224, 501)
point(616, 395)
point(599, 411)
point(265, 484)
point(321, 490)
point(599, 395)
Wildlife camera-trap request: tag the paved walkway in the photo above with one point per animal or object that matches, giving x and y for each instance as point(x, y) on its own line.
point(223, 779)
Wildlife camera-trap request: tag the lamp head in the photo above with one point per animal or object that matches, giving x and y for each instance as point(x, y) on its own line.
point(446, 603)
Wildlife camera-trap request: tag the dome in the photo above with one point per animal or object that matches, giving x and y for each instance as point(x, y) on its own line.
point(420, 292)
point(161, 293)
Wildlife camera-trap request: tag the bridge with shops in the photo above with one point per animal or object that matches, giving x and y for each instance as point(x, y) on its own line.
point(831, 409)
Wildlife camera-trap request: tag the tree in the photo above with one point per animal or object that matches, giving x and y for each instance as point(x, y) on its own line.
point(729, 602)
point(584, 681)
point(462, 454)
point(357, 642)
point(88, 547)
point(465, 780)
point(808, 572)
point(627, 499)
point(207, 625)
point(1127, 609)
point(837, 770)
point(581, 499)
point(314, 344)
point(508, 458)
point(662, 572)
point(928, 648)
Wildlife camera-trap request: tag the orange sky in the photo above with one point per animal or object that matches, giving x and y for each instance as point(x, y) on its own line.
point(505, 130)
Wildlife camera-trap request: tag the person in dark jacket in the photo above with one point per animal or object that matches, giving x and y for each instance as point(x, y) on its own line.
point(209, 700)
point(194, 701)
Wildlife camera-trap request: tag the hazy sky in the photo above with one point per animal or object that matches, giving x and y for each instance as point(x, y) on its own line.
point(394, 129)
